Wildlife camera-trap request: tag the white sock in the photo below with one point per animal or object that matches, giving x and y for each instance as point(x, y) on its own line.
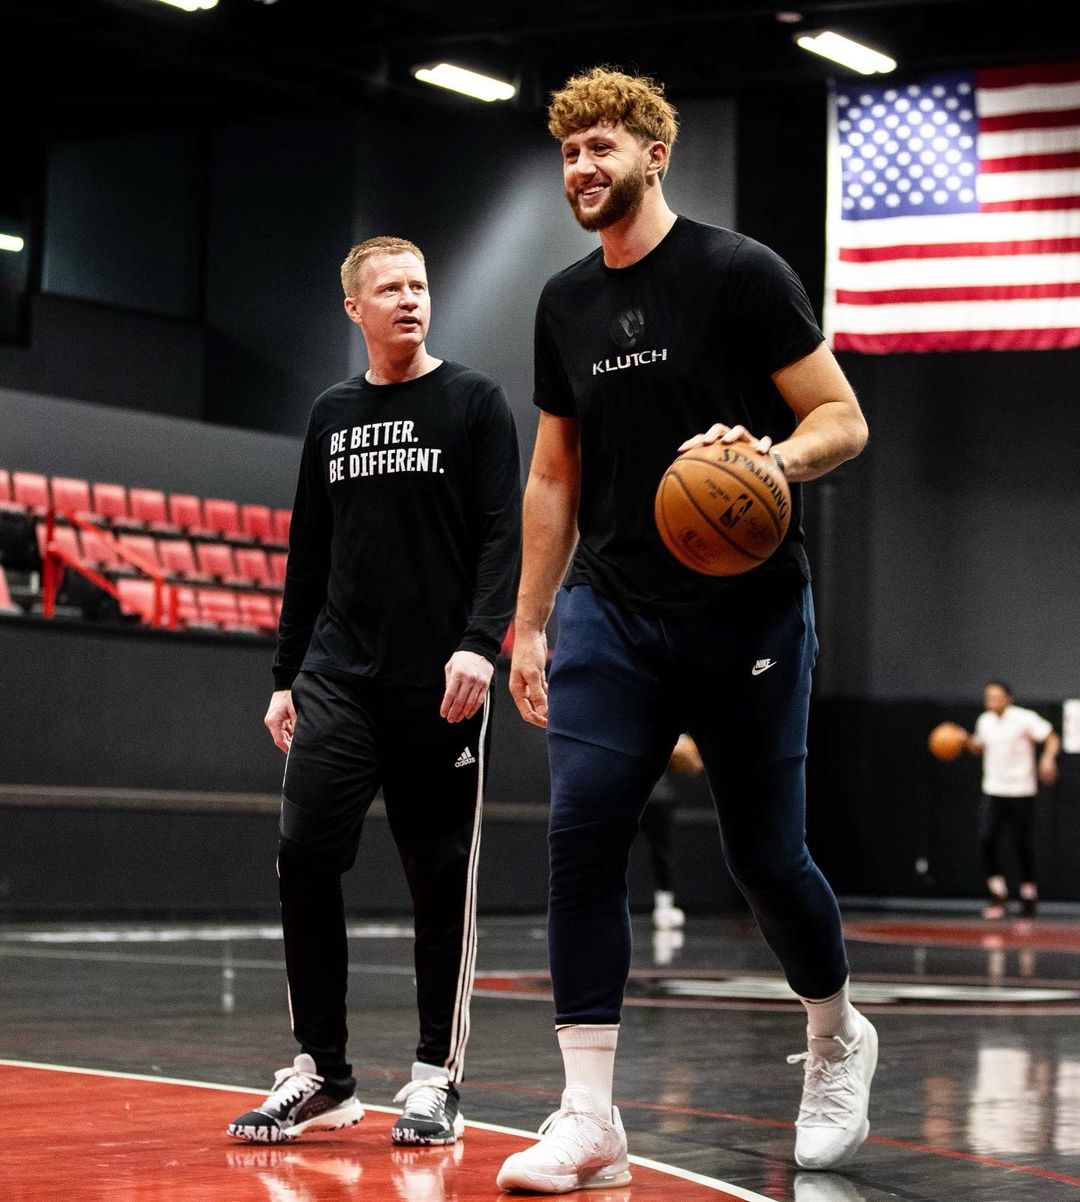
point(663, 899)
point(588, 1052)
point(826, 1017)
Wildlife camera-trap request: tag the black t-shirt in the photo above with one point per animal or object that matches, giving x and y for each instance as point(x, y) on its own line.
point(647, 355)
point(405, 535)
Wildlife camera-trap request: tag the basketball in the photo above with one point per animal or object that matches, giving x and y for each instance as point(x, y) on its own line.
point(723, 508)
point(946, 741)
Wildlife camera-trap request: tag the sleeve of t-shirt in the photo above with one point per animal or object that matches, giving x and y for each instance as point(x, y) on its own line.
point(497, 492)
point(1037, 726)
point(307, 569)
point(980, 728)
point(551, 390)
point(771, 306)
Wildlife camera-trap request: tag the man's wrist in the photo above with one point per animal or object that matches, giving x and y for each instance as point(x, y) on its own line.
point(779, 461)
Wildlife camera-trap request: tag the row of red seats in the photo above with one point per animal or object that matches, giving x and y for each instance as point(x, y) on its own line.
point(148, 508)
point(205, 608)
point(176, 557)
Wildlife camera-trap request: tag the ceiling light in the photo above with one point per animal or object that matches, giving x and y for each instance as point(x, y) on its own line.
point(846, 52)
point(191, 6)
point(458, 79)
point(11, 242)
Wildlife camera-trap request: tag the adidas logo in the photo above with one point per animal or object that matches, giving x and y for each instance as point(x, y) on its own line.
point(465, 759)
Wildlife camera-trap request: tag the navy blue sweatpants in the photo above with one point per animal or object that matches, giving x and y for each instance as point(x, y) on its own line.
point(622, 688)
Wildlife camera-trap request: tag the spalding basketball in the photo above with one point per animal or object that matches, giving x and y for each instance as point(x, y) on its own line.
point(947, 741)
point(723, 508)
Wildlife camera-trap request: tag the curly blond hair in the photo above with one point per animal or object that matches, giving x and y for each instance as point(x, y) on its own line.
point(359, 255)
point(608, 96)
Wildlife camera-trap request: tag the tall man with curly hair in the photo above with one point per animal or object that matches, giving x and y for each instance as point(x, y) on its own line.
point(671, 334)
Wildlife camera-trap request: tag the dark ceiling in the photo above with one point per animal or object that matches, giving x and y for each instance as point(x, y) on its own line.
point(83, 61)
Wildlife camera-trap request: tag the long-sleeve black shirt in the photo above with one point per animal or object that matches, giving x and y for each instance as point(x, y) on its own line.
point(405, 538)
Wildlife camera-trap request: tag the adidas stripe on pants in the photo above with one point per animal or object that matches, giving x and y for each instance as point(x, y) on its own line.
point(352, 739)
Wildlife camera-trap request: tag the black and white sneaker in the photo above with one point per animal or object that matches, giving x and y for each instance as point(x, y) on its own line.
point(430, 1115)
point(300, 1101)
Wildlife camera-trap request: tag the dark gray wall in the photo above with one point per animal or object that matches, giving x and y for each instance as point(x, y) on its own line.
point(123, 221)
point(966, 518)
point(108, 356)
point(96, 442)
point(281, 196)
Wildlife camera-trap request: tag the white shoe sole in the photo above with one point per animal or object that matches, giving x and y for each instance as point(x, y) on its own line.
point(526, 1181)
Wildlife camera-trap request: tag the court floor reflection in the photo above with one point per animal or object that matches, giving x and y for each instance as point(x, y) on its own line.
point(977, 1093)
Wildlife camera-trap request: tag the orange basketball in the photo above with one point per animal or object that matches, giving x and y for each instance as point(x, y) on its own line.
point(723, 509)
point(946, 741)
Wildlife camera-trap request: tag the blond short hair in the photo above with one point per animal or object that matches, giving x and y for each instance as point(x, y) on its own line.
point(608, 96)
point(359, 255)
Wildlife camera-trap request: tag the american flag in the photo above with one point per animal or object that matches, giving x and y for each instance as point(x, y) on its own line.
point(954, 212)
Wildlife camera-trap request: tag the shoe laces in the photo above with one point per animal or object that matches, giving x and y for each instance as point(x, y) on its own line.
point(424, 1099)
point(829, 1086)
point(571, 1134)
point(292, 1085)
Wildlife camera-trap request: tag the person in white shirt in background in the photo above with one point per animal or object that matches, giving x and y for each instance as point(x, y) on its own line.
point(1006, 736)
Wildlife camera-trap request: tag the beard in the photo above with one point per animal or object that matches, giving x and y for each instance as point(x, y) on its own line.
point(623, 197)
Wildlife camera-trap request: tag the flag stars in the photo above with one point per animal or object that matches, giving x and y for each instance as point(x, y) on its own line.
point(908, 147)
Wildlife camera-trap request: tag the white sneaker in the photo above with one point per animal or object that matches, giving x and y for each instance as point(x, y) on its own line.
point(832, 1121)
point(668, 918)
point(579, 1150)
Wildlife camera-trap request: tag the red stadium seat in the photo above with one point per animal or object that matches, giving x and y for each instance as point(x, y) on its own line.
point(8, 504)
point(99, 553)
point(216, 561)
point(186, 512)
point(252, 564)
point(65, 538)
point(257, 609)
point(178, 559)
point(71, 496)
point(278, 560)
point(187, 609)
point(137, 597)
point(218, 605)
point(222, 517)
point(7, 606)
point(257, 523)
point(148, 505)
point(282, 518)
point(110, 501)
point(143, 545)
point(31, 490)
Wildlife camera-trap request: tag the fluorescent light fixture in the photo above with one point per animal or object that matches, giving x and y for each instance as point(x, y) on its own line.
point(191, 6)
point(458, 79)
point(11, 242)
point(847, 53)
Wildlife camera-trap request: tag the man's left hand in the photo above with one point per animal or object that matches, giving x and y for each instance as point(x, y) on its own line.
point(721, 433)
point(468, 676)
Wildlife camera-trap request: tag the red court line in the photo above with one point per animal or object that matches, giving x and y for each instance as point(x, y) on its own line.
point(1025, 935)
point(99, 1137)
